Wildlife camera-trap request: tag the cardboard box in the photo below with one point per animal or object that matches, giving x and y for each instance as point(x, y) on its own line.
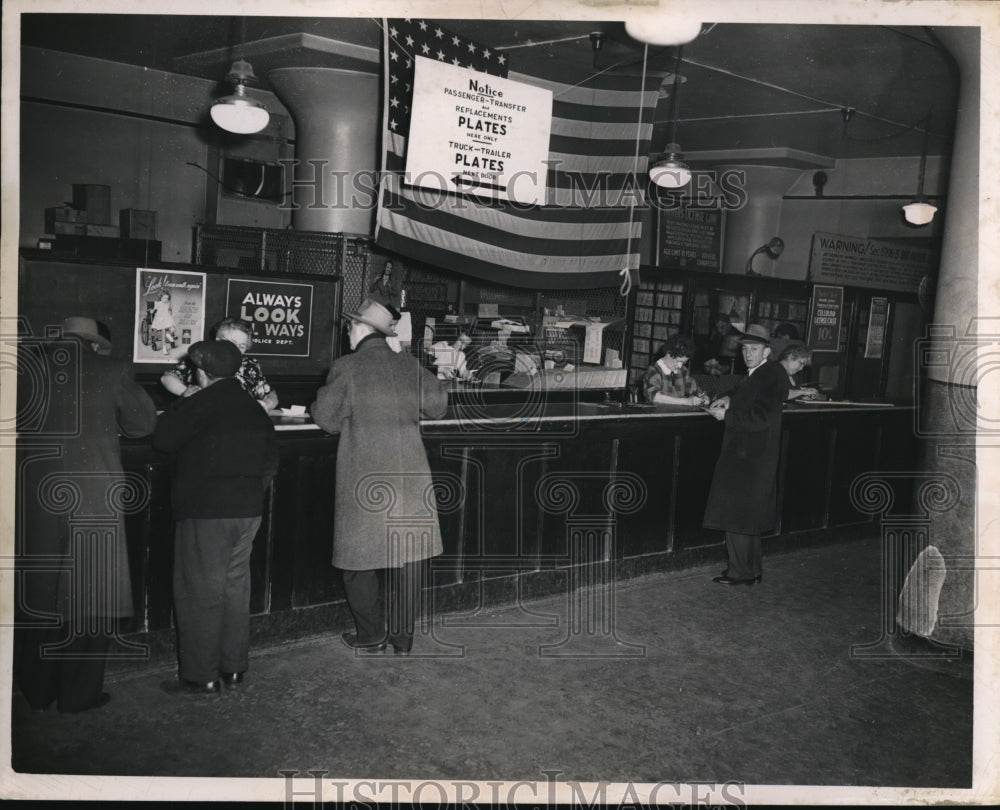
point(137, 224)
point(95, 200)
point(60, 228)
point(101, 230)
point(62, 213)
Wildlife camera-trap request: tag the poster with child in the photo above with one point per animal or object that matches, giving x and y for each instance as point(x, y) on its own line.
point(170, 314)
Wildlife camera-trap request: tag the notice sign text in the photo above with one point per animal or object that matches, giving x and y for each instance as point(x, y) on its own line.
point(280, 313)
point(478, 134)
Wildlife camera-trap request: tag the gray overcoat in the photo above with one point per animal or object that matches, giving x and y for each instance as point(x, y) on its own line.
point(385, 511)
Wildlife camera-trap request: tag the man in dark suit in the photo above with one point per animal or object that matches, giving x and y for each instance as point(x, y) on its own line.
point(226, 455)
point(743, 497)
point(73, 585)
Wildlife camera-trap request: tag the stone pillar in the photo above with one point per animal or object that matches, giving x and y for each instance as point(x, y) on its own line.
point(756, 223)
point(336, 140)
point(952, 358)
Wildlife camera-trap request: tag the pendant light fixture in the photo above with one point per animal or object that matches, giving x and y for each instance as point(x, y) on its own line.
point(920, 212)
point(672, 172)
point(774, 248)
point(239, 112)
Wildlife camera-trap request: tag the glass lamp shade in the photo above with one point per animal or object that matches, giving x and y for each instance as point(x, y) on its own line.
point(919, 212)
point(670, 173)
point(239, 113)
point(662, 30)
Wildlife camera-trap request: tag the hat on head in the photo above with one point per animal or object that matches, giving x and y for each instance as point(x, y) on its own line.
point(217, 358)
point(755, 333)
point(374, 315)
point(86, 328)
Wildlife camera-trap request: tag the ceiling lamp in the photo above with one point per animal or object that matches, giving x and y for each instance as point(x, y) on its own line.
point(920, 212)
point(774, 248)
point(239, 112)
point(662, 30)
point(672, 172)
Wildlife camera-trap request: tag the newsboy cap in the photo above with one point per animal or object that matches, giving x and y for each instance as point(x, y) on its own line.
point(217, 358)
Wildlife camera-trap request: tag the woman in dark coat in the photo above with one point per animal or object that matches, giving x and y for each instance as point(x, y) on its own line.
point(385, 515)
point(743, 498)
point(73, 494)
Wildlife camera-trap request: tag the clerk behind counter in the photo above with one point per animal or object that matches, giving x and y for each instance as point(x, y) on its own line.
point(667, 381)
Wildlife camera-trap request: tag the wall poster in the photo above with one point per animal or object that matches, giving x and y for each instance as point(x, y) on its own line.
point(279, 311)
point(875, 341)
point(170, 314)
point(827, 312)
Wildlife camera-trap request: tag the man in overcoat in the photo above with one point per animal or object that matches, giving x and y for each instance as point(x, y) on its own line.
point(743, 498)
point(385, 513)
point(74, 399)
point(225, 457)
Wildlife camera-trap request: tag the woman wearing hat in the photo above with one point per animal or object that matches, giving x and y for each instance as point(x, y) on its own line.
point(742, 501)
point(385, 515)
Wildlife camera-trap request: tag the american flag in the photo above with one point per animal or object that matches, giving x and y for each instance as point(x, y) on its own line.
point(590, 227)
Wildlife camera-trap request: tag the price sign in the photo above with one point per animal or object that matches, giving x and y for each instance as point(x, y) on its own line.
point(827, 313)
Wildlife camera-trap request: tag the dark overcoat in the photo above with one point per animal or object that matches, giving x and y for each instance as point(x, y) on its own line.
point(743, 496)
point(385, 510)
point(72, 491)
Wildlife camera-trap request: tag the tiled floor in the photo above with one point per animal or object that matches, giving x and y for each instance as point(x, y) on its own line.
point(666, 678)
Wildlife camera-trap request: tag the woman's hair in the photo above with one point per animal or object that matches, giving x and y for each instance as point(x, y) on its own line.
point(229, 324)
point(786, 330)
point(796, 351)
point(164, 293)
point(676, 346)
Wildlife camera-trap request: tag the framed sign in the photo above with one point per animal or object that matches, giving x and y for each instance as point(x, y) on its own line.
point(279, 311)
point(689, 239)
point(864, 262)
point(827, 313)
point(875, 340)
point(170, 314)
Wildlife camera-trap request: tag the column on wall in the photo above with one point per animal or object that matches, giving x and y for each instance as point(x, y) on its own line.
point(336, 115)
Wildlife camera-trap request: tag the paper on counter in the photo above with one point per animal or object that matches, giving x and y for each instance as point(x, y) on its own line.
point(593, 342)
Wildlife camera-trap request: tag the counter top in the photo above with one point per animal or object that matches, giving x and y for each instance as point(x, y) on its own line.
point(521, 413)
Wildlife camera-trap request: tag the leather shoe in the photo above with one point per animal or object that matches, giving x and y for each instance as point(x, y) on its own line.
point(730, 581)
point(182, 687)
point(371, 648)
point(757, 578)
point(231, 679)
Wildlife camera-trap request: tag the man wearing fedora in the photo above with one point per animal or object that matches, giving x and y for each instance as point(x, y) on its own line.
point(225, 455)
point(385, 516)
point(74, 587)
point(743, 498)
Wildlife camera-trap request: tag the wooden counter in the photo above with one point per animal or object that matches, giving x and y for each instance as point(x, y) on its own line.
point(527, 492)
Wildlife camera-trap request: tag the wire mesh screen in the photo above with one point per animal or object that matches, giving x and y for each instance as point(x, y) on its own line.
point(271, 250)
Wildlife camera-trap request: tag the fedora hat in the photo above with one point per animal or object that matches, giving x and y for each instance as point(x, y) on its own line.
point(755, 333)
point(85, 328)
point(374, 315)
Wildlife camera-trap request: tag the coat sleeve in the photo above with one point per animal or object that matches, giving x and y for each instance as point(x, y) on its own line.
point(136, 411)
point(433, 395)
point(769, 394)
point(332, 407)
point(176, 425)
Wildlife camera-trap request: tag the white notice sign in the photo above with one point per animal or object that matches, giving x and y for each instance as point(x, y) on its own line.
point(478, 134)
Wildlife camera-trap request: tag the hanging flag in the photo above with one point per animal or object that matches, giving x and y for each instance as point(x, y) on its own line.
point(589, 228)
